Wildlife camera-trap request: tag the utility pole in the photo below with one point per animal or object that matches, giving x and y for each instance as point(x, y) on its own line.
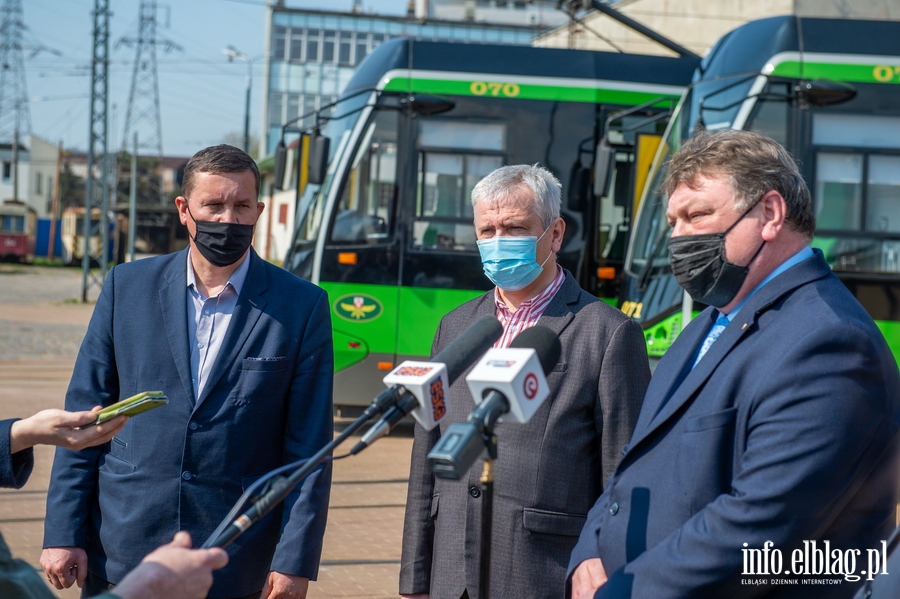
point(54, 207)
point(132, 200)
point(143, 100)
point(232, 53)
point(14, 110)
point(97, 149)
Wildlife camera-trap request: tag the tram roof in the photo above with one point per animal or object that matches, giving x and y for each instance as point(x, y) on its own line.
point(519, 60)
point(750, 46)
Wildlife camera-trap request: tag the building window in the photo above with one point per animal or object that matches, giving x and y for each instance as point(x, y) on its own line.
point(280, 35)
point(328, 46)
point(361, 47)
point(345, 48)
point(282, 214)
point(312, 45)
point(50, 187)
point(7, 171)
point(37, 183)
point(298, 40)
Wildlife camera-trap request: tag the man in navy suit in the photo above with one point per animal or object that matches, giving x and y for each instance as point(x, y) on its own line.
point(243, 351)
point(773, 419)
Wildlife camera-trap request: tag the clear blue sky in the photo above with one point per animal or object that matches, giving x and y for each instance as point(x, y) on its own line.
point(202, 95)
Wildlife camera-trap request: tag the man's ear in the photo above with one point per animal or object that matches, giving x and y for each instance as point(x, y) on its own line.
point(559, 231)
point(181, 204)
point(774, 214)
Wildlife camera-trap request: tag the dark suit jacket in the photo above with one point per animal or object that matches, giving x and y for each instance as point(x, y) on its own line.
point(183, 465)
point(785, 431)
point(549, 470)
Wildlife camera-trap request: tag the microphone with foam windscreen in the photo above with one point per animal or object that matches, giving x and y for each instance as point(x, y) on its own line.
point(509, 385)
point(423, 386)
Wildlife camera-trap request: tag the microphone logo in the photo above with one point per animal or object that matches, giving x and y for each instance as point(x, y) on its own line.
point(412, 371)
point(438, 405)
point(531, 386)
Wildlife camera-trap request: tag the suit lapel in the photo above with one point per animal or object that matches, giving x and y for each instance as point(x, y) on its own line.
point(557, 315)
point(673, 368)
point(173, 305)
point(250, 306)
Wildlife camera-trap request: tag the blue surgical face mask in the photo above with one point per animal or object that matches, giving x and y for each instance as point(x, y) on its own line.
point(510, 262)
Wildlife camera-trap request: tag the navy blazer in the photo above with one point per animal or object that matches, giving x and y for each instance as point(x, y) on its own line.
point(183, 465)
point(785, 431)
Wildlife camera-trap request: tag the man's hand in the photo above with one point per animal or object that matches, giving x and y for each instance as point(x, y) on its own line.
point(173, 571)
point(64, 566)
point(59, 427)
point(284, 586)
point(587, 578)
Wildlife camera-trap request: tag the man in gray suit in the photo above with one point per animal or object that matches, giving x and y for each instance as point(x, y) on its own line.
point(552, 469)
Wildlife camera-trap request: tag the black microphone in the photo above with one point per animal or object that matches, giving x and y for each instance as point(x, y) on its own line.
point(425, 394)
point(512, 384)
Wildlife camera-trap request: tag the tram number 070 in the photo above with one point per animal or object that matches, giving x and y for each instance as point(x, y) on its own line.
point(494, 88)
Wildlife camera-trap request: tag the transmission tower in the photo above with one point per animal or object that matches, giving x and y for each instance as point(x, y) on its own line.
point(143, 100)
point(97, 159)
point(14, 112)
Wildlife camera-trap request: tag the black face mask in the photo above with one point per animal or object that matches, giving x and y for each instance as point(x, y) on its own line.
point(700, 267)
point(222, 244)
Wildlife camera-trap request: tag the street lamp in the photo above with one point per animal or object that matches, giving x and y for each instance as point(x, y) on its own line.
point(233, 53)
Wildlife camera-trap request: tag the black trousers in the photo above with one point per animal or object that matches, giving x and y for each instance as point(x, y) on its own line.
point(94, 585)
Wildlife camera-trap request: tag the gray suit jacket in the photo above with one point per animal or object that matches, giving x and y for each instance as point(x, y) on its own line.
point(549, 471)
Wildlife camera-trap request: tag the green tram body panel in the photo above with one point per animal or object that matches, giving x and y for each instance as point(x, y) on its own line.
point(357, 334)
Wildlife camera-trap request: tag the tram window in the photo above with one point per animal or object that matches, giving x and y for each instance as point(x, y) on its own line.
point(883, 205)
point(366, 205)
point(838, 191)
point(444, 218)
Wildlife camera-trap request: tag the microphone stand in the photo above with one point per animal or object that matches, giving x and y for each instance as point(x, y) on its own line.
point(281, 486)
point(487, 509)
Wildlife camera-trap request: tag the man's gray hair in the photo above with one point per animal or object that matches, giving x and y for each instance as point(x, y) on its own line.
point(507, 181)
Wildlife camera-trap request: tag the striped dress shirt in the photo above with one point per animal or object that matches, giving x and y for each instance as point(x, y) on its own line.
point(529, 311)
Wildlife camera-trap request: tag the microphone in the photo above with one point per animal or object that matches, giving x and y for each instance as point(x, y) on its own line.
point(511, 385)
point(421, 387)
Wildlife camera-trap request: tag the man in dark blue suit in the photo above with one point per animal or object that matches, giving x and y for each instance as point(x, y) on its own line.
point(243, 351)
point(770, 424)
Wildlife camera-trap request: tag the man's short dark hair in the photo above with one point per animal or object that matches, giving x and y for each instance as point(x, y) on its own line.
point(753, 164)
point(218, 159)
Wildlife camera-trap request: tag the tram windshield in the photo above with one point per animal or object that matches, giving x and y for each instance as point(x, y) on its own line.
point(342, 119)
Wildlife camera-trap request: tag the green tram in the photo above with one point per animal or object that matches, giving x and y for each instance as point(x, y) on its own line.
point(829, 91)
point(386, 225)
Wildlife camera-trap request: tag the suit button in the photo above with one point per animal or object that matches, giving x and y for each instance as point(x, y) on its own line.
point(475, 492)
point(186, 475)
point(614, 509)
point(193, 426)
point(625, 449)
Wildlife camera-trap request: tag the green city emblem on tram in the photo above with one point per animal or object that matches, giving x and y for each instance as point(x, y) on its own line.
point(358, 307)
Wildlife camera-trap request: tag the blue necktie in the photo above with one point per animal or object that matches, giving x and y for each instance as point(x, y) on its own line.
point(714, 333)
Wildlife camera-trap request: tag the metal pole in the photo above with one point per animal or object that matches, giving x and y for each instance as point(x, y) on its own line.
point(247, 107)
point(132, 200)
point(487, 512)
point(642, 29)
point(15, 162)
point(54, 207)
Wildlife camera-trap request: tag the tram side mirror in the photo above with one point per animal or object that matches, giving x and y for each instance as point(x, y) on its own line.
point(425, 105)
point(280, 165)
point(823, 92)
point(603, 166)
point(318, 158)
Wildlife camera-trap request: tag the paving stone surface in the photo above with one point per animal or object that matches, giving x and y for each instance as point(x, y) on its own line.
point(41, 327)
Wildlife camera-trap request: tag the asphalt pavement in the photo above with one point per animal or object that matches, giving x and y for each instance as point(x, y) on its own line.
point(42, 324)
